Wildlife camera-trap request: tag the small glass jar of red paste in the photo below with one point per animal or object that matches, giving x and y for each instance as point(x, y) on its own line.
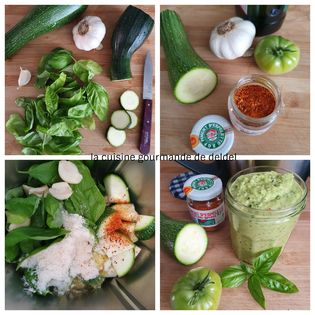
point(205, 201)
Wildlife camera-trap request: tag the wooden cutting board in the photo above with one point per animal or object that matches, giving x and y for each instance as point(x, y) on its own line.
point(30, 55)
point(294, 263)
point(291, 132)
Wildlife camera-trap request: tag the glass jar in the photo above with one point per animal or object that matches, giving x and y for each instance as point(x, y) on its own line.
point(205, 201)
point(249, 125)
point(253, 231)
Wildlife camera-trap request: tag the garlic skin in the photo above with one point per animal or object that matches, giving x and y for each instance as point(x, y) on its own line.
point(89, 33)
point(61, 191)
point(69, 172)
point(232, 38)
point(24, 78)
point(38, 191)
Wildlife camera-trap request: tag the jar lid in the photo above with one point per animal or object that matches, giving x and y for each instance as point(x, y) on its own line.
point(203, 187)
point(212, 134)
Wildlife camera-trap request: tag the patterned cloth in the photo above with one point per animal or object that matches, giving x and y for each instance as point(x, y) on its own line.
point(176, 185)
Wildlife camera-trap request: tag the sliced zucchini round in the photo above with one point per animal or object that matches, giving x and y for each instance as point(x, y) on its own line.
point(129, 100)
point(116, 137)
point(120, 119)
point(134, 119)
point(145, 227)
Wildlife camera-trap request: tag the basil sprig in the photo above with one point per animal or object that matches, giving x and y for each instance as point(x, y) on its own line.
point(235, 276)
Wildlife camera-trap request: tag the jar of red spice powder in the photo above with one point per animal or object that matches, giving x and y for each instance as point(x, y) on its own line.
point(205, 201)
point(254, 104)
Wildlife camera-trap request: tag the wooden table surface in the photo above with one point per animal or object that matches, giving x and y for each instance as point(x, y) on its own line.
point(294, 263)
point(30, 55)
point(291, 132)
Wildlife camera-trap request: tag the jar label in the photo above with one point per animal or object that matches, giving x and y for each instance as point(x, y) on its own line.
point(208, 218)
point(202, 183)
point(212, 135)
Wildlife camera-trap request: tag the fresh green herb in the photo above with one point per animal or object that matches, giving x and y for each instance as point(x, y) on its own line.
point(234, 276)
point(52, 119)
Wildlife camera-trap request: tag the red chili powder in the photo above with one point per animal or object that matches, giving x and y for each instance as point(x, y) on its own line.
point(255, 101)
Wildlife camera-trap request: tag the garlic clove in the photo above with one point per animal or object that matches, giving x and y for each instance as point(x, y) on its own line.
point(13, 226)
point(61, 191)
point(69, 172)
point(38, 191)
point(24, 78)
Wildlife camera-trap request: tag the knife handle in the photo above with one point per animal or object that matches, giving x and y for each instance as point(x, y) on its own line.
point(146, 127)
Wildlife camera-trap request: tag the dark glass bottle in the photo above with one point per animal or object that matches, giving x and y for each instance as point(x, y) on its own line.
point(267, 18)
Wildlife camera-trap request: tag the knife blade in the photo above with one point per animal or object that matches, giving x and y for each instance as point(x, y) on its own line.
point(147, 98)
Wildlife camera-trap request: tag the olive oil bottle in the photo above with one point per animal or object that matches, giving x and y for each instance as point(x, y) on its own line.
point(267, 18)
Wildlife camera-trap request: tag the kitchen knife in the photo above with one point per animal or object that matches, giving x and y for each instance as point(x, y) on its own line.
point(147, 97)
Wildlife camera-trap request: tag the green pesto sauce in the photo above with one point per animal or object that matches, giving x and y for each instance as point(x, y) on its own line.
point(267, 190)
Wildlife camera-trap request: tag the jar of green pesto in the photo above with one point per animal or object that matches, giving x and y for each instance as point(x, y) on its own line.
point(264, 204)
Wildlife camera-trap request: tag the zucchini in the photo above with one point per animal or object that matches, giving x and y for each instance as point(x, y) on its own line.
point(126, 211)
point(131, 31)
point(190, 76)
point(116, 137)
point(186, 241)
point(120, 120)
point(115, 243)
point(145, 227)
point(128, 229)
point(129, 100)
point(40, 20)
point(108, 222)
point(117, 190)
point(123, 262)
point(134, 119)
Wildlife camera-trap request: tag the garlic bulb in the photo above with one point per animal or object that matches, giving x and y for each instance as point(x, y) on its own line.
point(232, 38)
point(69, 172)
point(61, 191)
point(24, 77)
point(89, 33)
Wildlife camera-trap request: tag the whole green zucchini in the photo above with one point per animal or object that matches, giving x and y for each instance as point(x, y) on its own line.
point(40, 20)
point(190, 76)
point(131, 31)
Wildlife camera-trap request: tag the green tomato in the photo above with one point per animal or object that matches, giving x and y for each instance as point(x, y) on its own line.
point(198, 289)
point(276, 55)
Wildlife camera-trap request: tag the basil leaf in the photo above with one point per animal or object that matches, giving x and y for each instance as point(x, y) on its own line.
point(86, 198)
point(14, 193)
point(265, 261)
point(43, 65)
point(82, 73)
point(42, 132)
point(41, 113)
point(88, 123)
point(62, 144)
point(276, 282)
point(27, 246)
point(60, 60)
point(60, 82)
point(51, 100)
point(98, 99)
point(19, 234)
point(41, 80)
point(16, 125)
point(53, 207)
point(46, 173)
point(32, 151)
point(23, 102)
point(246, 268)
point(91, 65)
point(15, 217)
point(71, 151)
point(64, 127)
point(80, 111)
point(255, 290)
point(29, 118)
point(233, 276)
point(11, 253)
point(68, 68)
point(72, 100)
point(32, 139)
point(26, 206)
point(39, 217)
